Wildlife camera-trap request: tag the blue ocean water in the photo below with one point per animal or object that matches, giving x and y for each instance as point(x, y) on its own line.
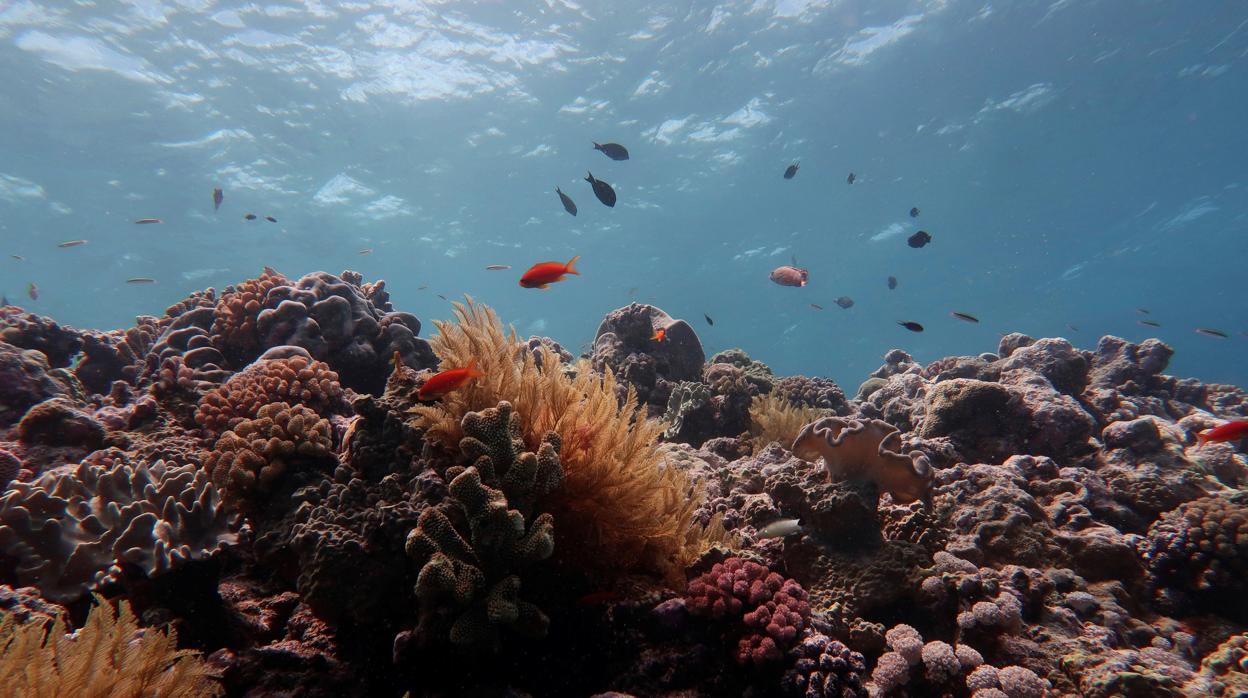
point(1073, 160)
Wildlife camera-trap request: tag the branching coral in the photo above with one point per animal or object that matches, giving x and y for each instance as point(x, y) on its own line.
point(247, 460)
point(109, 656)
point(619, 507)
point(295, 380)
point(776, 419)
point(865, 450)
point(476, 577)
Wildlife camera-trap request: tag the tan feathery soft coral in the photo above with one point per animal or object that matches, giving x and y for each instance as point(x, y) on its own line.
point(620, 507)
point(234, 318)
point(851, 448)
point(109, 656)
point(249, 458)
point(294, 380)
point(776, 419)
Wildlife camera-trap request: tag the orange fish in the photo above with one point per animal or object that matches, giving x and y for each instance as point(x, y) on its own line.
point(545, 273)
point(789, 276)
point(1231, 431)
point(448, 381)
point(659, 335)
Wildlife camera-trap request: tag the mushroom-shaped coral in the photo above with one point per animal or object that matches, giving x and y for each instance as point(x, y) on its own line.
point(865, 450)
point(250, 458)
point(296, 379)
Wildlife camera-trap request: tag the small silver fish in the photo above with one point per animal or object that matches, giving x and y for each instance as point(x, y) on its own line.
point(141, 280)
point(780, 528)
point(1212, 333)
point(72, 243)
point(147, 221)
point(498, 267)
point(18, 257)
point(366, 250)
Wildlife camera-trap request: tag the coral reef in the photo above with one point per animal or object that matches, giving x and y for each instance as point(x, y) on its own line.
point(254, 470)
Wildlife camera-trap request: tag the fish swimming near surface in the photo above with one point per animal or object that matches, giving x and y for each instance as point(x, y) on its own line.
point(18, 257)
point(964, 316)
point(270, 219)
point(845, 302)
point(33, 291)
point(789, 276)
point(816, 306)
point(919, 239)
point(1231, 431)
point(366, 250)
point(148, 221)
point(709, 321)
point(779, 528)
point(442, 297)
point(850, 179)
point(892, 282)
point(1072, 328)
point(72, 243)
point(659, 335)
point(542, 274)
point(217, 197)
point(448, 381)
point(791, 171)
point(914, 212)
point(141, 280)
point(568, 204)
point(602, 190)
point(422, 287)
point(1143, 311)
point(498, 267)
point(615, 151)
point(912, 326)
point(1212, 333)
point(249, 217)
point(1149, 323)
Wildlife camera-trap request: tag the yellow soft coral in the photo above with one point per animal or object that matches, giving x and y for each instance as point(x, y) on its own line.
point(620, 507)
point(776, 419)
point(109, 656)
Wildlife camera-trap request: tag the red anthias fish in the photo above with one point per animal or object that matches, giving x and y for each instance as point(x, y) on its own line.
point(448, 381)
point(1231, 431)
point(545, 273)
point(659, 335)
point(789, 276)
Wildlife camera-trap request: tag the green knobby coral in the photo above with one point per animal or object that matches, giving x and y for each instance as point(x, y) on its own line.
point(494, 444)
point(475, 577)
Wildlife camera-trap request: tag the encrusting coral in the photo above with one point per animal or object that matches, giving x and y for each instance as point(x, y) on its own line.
point(864, 450)
point(475, 578)
point(619, 507)
point(109, 656)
